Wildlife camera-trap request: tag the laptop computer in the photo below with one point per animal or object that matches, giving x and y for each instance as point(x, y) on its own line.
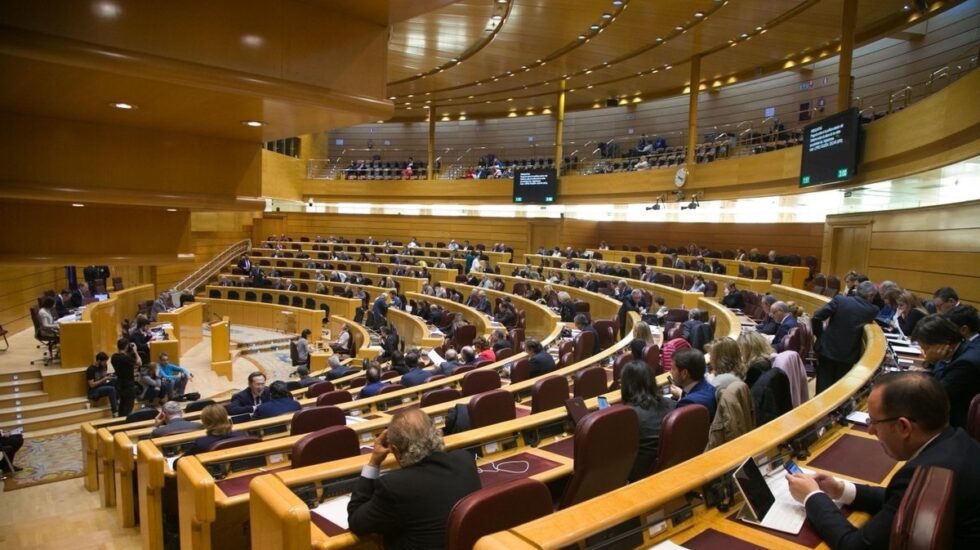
point(576, 409)
point(762, 507)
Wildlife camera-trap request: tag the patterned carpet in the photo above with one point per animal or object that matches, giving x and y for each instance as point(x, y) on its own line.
point(47, 459)
point(275, 364)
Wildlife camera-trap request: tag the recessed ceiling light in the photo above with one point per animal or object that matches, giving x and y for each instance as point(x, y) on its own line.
point(745, 35)
point(582, 37)
point(679, 28)
point(253, 123)
point(758, 29)
point(171, 210)
point(391, 97)
point(252, 40)
point(122, 105)
point(77, 205)
point(594, 26)
point(607, 15)
point(455, 60)
point(699, 14)
point(496, 17)
point(659, 40)
point(381, 122)
point(617, 2)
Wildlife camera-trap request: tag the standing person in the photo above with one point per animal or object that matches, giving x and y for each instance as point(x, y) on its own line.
point(101, 382)
point(838, 346)
point(410, 506)
point(303, 347)
point(124, 364)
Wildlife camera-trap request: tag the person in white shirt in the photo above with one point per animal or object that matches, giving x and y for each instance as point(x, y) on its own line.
point(46, 317)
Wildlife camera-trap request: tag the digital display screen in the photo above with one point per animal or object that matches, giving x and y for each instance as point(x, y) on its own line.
point(754, 489)
point(831, 149)
point(537, 186)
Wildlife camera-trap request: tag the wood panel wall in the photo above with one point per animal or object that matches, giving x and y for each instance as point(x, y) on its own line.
point(786, 238)
point(211, 232)
point(19, 289)
point(921, 249)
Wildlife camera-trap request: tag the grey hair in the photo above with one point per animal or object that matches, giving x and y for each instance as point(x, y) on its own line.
point(415, 436)
point(866, 289)
point(769, 299)
point(333, 361)
point(172, 408)
point(779, 306)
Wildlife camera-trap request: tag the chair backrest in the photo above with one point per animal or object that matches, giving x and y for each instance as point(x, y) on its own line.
point(389, 374)
point(319, 389)
point(148, 413)
point(316, 418)
point(496, 508)
point(651, 356)
point(925, 519)
point(517, 338)
point(232, 442)
point(973, 418)
point(589, 382)
point(324, 445)
point(491, 407)
point(463, 336)
point(198, 405)
point(606, 444)
point(388, 388)
point(336, 397)
point(504, 353)
point(550, 392)
point(710, 289)
point(521, 371)
point(441, 395)
point(479, 381)
point(584, 344)
point(607, 332)
point(683, 435)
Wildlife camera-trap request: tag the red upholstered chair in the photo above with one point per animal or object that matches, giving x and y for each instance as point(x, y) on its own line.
point(673, 329)
point(464, 369)
point(833, 286)
point(319, 389)
point(710, 289)
point(491, 407)
point(973, 418)
point(517, 338)
point(495, 509)
point(651, 356)
point(388, 388)
point(435, 377)
point(584, 344)
point(589, 382)
point(566, 346)
point(480, 381)
point(548, 393)
point(335, 397)
point(316, 418)
point(442, 395)
point(607, 332)
point(926, 516)
point(324, 445)
point(566, 359)
point(792, 341)
point(358, 381)
point(521, 371)
point(389, 374)
point(463, 336)
point(606, 443)
point(617, 369)
point(683, 435)
point(504, 353)
point(233, 442)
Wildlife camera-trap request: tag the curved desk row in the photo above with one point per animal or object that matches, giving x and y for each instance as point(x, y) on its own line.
point(308, 246)
point(376, 268)
point(98, 328)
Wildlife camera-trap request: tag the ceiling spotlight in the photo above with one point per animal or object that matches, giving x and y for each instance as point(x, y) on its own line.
point(659, 40)
point(582, 37)
point(607, 15)
point(699, 14)
point(617, 2)
point(171, 210)
point(659, 204)
point(253, 123)
point(77, 205)
point(594, 26)
point(121, 105)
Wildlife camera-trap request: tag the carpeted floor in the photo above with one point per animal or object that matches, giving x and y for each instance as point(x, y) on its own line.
point(275, 364)
point(47, 459)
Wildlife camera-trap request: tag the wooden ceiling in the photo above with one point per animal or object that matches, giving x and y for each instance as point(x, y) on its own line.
point(460, 60)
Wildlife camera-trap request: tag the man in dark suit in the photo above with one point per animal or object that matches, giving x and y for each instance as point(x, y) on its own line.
point(908, 414)
point(582, 323)
point(839, 346)
point(768, 324)
point(785, 321)
point(450, 364)
point(380, 308)
point(955, 363)
point(690, 386)
point(631, 302)
point(541, 362)
point(245, 401)
point(410, 506)
point(171, 421)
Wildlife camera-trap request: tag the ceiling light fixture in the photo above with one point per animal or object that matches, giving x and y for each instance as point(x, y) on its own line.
point(594, 26)
point(607, 15)
point(699, 14)
point(253, 123)
point(171, 210)
point(122, 105)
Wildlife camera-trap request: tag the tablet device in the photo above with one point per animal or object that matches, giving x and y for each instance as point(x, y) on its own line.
point(576, 409)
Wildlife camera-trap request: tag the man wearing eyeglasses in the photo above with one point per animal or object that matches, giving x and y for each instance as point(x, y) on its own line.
point(909, 414)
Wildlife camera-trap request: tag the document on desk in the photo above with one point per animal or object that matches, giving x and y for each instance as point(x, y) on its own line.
point(334, 510)
point(435, 357)
point(859, 417)
point(668, 545)
point(908, 350)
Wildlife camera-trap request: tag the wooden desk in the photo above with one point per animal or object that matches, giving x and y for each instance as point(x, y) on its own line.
point(188, 322)
point(435, 273)
point(540, 320)
point(356, 248)
point(99, 326)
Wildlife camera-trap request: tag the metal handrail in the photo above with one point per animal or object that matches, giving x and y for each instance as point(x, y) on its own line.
point(203, 274)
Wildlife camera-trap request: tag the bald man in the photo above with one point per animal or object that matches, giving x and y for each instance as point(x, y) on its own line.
point(410, 506)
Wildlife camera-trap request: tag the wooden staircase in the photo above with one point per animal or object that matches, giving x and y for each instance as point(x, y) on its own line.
point(24, 404)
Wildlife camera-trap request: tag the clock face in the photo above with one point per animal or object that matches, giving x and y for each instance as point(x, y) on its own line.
point(680, 177)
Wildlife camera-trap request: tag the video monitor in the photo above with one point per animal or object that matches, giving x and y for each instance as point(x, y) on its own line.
point(831, 149)
point(536, 186)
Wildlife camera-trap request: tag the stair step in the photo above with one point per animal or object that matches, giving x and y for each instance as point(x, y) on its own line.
point(23, 398)
point(43, 409)
point(70, 418)
point(20, 386)
point(20, 375)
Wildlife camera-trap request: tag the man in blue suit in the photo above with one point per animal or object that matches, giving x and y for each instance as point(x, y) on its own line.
point(784, 320)
point(282, 402)
point(416, 374)
point(690, 387)
point(839, 345)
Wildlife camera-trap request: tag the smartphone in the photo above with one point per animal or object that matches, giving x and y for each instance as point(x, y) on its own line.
point(792, 467)
point(603, 402)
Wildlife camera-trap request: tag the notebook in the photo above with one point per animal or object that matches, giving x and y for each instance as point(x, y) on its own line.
point(762, 507)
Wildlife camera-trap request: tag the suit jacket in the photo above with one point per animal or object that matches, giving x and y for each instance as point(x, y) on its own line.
point(176, 427)
point(703, 393)
point(415, 377)
point(243, 402)
point(410, 507)
point(767, 326)
point(734, 300)
point(841, 341)
point(960, 378)
point(541, 363)
point(204, 443)
point(447, 367)
point(953, 449)
point(788, 322)
point(275, 407)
